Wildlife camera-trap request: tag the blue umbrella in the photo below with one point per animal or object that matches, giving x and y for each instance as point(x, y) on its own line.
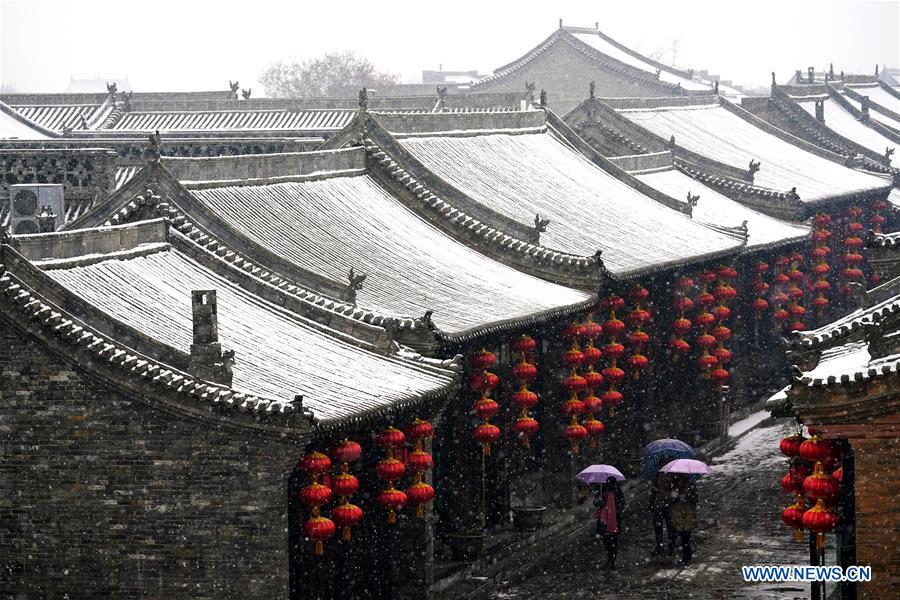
point(660, 452)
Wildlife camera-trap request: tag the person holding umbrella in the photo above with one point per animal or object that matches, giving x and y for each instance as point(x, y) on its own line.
point(660, 504)
point(611, 508)
point(684, 499)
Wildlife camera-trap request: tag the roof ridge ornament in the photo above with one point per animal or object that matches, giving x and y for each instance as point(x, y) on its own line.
point(112, 88)
point(753, 169)
point(155, 147)
point(543, 98)
point(363, 100)
point(233, 86)
point(592, 90)
point(529, 92)
point(355, 284)
point(246, 93)
point(692, 199)
point(540, 223)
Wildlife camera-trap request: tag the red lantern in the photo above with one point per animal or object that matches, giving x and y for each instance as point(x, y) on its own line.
point(639, 293)
point(486, 434)
point(483, 359)
point(638, 338)
point(420, 429)
point(573, 406)
point(485, 407)
point(760, 306)
point(612, 304)
point(592, 354)
point(682, 304)
point(592, 403)
point(315, 464)
point(524, 398)
point(526, 427)
point(613, 374)
point(723, 355)
point(706, 341)
point(346, 451)
point(684, 284)
point(613, 327)
point(790, 446)
point(345, 516)
point(393, 501)
point(573, 358)
point(682, 326)
point(705, 299)
point(821, 486)
point(314, 495)
point(638, 362)
point(390, 469)
point(420, 494)
point(706, 362)
point(638, 317)
point(575, 382)
point(575, 433)
point(814, 449)
point(839, 474)
point(719, 376)
point(573, 332)
point(594, 427)
point(820, 520)
point(483, 381)
point(390, 438)
point(679, 346)
point(704, 319)
point(593, 378)
point(419, 460)
point(722, 312)
point(319, 529)
point(793, 518)
point(592, 329)
point(611, 398)
point(788, 484)
point(613, 350)
point(524, 344)
point(722, 333)
point(344, 484)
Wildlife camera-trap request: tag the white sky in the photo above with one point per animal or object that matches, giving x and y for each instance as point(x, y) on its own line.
point(164, 45)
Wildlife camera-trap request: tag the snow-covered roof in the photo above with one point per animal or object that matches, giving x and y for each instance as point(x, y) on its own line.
point(234, 120)
point(526, 172)
point(332, 224)
point(59, 116)
point(874, 114)
point(15, 127)
point(279, 354)
point(718, 132)
point(717, 209)
point(878, 95)
point(606, 45)
point(843, 123)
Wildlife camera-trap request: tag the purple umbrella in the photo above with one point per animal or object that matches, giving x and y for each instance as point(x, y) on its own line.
point(599, 474)
point(687, 466)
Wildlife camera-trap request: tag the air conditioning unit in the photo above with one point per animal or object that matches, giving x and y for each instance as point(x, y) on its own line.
point(36, 207)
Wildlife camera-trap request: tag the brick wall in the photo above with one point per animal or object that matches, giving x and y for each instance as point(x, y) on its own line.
point(103, 496)
point(877, 514)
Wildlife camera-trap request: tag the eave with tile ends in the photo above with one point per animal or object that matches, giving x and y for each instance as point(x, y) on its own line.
point(135, 301)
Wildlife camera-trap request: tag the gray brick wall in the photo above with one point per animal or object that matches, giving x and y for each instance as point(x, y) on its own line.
point(102, 495)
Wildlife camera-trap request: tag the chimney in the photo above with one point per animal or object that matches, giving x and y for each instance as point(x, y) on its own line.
point(812, 74)
point(207, 359)
point(820, 111)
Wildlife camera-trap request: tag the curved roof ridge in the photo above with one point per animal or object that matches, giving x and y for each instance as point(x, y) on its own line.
point(30, 123)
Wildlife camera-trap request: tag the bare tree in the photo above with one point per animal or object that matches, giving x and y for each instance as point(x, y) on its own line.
point(335, 74)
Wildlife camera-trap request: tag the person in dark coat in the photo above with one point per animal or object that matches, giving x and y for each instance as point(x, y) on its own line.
point(660, 504)
point(610, 503)
point(684, 514)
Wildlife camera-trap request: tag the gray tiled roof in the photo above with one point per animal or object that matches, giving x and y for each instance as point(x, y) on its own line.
point(520, 173)
point(278, 353)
